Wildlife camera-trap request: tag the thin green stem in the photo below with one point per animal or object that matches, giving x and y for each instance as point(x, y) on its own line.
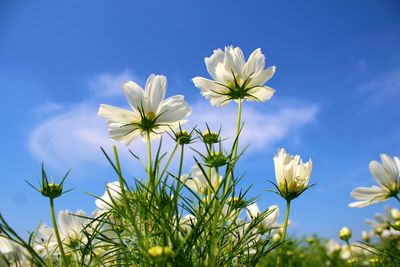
point(53, 218)
point(217, 214)
point(149, 164)
point(236, 145)
point(285, 225)
point(397, 197)
point(238, 122)
point(176, 195)
point(351, 252)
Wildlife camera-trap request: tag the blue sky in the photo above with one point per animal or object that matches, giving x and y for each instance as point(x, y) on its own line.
point(337, 93)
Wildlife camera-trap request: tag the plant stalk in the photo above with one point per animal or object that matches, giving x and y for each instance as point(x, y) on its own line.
point(53, 219)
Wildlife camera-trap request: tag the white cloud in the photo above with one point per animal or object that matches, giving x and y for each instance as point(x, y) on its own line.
point(72, 137)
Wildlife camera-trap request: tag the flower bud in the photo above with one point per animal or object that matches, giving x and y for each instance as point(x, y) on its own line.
point(345, 234)
point(158, 251)
point(182, 137)
point(210, 137)
point(51, 190)
point(216, 159)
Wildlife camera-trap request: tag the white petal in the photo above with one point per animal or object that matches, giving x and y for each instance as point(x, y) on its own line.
point(212, 62)
point(368, 196)
point(259, 78)
point(379, 174)
point(156, 86)
point(256, 63)
point(173, 109)
point(115, 114)
point(134, 94)
point(389, 166)
point(234, 61)
point(262, 94)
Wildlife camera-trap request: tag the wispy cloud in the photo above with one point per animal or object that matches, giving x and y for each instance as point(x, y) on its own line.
point(382, 89)
point(74, 135)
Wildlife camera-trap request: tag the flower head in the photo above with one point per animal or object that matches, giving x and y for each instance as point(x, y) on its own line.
point(292, 175)
point(388, 178)
point(150, 112)
point(234, 78)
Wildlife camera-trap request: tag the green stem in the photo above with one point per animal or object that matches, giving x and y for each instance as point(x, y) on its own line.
point(285, 225)
point(176, 195)
point(236, 145)
point(397, 197)
point(217, 214)
point(53, 218)
point(238, 122)
point(149, 165)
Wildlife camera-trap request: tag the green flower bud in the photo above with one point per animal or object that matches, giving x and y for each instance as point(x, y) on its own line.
point(51, 190)
point(210, 137)
point(216, 159)
point(183, 137)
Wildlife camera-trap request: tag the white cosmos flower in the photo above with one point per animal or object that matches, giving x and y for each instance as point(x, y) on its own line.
point(150, 112)
point(292, 175)
point(111, 196)
point(70, 227)
point(269, 222)
point(197, 181)
point(386, 175)
point(234, 78)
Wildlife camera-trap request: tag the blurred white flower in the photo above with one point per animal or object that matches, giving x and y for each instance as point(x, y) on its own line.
point(150, 112)
point(292, 175)
point(269, 222)
point(386, 175)
point(234, 78)
point(332, 246)
point(199, 181)
point(112, 196)
point(70, 226)
point(13, 253)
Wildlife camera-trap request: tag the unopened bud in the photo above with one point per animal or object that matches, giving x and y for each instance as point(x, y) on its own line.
point(210, 137)
point(345, 234)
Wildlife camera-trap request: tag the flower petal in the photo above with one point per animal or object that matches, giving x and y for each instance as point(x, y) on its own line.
point(156, 86)
point(259, 78)
point(134, 94)
point(261, 94)
point(212, 62)
point(255, 64)
point(173, 109)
